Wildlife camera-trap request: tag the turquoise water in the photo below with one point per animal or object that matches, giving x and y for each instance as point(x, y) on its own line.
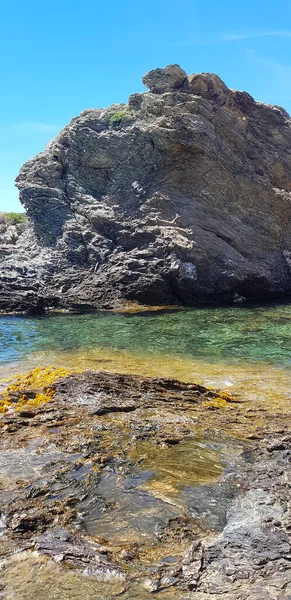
point(219, 334)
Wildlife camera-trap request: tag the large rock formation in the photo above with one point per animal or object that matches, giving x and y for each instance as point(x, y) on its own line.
point(181, 196)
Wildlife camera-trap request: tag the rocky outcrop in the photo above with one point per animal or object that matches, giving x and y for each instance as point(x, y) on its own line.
point(250, 558)
point(181, 196)
point(98, 481)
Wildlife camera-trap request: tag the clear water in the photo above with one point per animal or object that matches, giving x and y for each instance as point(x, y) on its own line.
point(140, 503)
point(218, 334)
point(246, 350)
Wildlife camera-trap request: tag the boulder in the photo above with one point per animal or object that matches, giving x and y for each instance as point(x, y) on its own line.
point(209, 86)
point(164, 80)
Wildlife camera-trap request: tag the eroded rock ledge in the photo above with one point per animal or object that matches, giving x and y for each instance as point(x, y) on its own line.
point(80, 459)
point(181, 196)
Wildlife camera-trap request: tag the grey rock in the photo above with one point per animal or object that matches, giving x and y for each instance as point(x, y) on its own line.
point(185, 198)
point(192, 564)
point(104, 392)
point(211, 87)
point(250, 557)
point(61, 545)
point(164, 80)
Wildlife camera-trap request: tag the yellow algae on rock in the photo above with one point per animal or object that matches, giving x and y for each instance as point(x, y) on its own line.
point(216, 403)
point(222, 400)
point(4, 405)
point(225, 396)
point(32, 389)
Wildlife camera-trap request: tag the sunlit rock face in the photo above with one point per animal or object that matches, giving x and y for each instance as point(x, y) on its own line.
point(181, 196)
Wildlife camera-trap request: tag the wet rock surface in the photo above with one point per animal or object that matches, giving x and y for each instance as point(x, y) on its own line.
point(180, 196)
point(61, 545)
point(250, 558)
point(109, 392)
point(182, 495)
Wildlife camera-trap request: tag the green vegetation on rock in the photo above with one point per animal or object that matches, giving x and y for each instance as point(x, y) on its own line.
point(15, 218)
point(116, 118)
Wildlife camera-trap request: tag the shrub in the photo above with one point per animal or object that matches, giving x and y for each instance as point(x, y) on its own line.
point(15, 218)
point(116, 118)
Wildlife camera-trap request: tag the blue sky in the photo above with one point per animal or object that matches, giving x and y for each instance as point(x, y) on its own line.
point(59, 58)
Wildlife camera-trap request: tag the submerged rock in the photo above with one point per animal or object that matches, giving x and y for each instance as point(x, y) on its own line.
point(181, 196)
point(62, 546)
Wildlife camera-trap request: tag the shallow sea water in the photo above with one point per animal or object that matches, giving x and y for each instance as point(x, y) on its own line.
point(241, 349)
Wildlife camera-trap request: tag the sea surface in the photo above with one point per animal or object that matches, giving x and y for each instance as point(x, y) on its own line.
point(242, 349)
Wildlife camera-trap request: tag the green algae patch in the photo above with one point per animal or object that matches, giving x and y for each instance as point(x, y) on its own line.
point(31, 389)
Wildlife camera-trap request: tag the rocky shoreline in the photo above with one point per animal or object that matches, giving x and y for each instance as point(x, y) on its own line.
point(119, 484)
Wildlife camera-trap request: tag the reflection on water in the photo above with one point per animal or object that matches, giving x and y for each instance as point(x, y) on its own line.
point(131, 514)
point(171, 468)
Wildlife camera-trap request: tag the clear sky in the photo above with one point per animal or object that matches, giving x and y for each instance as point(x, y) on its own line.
point(60, 57)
